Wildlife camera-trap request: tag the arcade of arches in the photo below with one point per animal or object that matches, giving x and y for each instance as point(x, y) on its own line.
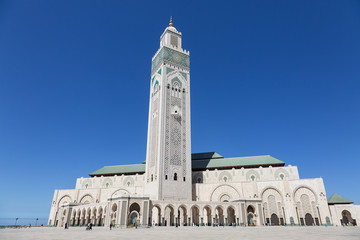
point(271, 209)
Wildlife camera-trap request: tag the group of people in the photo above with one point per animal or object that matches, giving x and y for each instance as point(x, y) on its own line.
point(89, 226)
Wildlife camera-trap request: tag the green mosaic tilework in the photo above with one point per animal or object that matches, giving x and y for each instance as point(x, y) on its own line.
point(184, 75)
point(176, 80)
point(167, 54)
point(156, 83)
point(169, 70)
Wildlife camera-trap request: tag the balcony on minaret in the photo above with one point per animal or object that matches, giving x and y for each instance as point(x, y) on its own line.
point(171, 37)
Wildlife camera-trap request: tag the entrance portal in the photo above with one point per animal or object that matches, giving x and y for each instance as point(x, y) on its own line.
point(347, 219)
point(134, 214)
point(309, 221)
point(250, 219)
point(133, 217)
point(274, 220)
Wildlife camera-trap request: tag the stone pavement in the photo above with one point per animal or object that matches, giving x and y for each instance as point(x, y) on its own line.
point(184, 233)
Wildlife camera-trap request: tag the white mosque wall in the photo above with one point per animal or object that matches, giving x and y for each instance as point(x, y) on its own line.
point(351, 211)
point(279, 188)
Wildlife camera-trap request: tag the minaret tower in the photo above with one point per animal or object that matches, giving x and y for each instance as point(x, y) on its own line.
point(168, 155)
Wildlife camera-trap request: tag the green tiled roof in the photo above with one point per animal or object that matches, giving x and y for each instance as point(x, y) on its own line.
point(200, 161)
point(236, 162)
point(120, 169)
point(338, 199)
point(206, 155)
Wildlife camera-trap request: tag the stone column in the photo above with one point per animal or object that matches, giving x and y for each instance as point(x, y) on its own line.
point(260, 214)
point(188, 214)
point(243, 213)
point(145, 213)
point(108, 214)
point(92, 218)
point(122, 213)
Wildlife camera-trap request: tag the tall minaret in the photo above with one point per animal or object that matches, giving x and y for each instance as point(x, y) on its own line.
point(168, 155)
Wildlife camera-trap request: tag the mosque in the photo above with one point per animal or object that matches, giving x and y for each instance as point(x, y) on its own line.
point(176, 188)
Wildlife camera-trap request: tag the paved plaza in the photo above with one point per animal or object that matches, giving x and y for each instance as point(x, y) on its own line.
point(185, 233)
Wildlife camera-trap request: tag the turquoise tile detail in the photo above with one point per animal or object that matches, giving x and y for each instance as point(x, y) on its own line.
point(169, 70)
point(156, 83)
point(172, 56)
point(176, 80)
point(184, 75)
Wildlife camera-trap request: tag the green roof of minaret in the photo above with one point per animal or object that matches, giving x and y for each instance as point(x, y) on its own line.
point(338, 199)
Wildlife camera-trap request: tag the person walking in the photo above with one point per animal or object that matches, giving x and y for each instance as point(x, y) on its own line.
point(110, 225)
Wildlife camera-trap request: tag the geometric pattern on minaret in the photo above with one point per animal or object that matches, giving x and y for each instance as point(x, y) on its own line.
point(168, 155)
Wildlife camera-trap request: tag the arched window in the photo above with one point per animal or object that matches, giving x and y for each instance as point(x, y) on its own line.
point(175, 176)
point(175, 90)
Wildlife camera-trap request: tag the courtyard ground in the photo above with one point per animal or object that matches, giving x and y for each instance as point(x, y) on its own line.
point(184, 233)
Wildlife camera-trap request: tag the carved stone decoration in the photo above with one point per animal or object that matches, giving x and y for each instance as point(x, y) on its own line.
point(87, 198)
point(222, 190)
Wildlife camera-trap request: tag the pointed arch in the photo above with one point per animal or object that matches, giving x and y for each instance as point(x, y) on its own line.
point(120, 192)
point(87, 198)
point(64, 199)
point(219, 191)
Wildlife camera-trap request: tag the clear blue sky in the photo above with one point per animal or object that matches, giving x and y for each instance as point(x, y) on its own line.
point(267, 77)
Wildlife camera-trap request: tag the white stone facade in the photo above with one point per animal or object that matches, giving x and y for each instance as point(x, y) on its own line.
point(289, 198)
point(170, 193)
point(345, 214)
